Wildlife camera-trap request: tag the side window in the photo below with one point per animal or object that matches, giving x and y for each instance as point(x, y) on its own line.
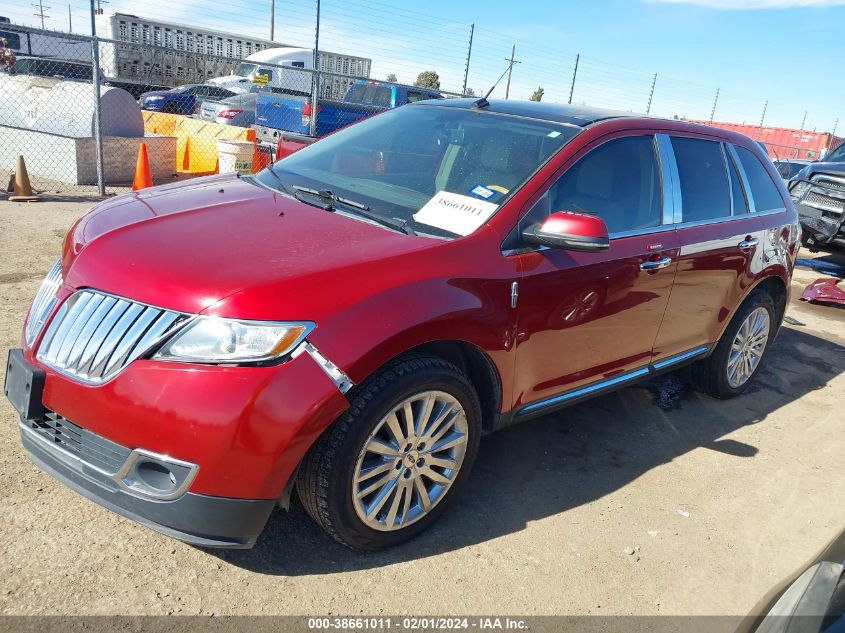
point(618, 181)
point(413, 97)
point(740, 203)
point(763, 190)
point(705, 192)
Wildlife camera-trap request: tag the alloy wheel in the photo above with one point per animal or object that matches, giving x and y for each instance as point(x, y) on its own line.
point(748, 347)
point(409, 461)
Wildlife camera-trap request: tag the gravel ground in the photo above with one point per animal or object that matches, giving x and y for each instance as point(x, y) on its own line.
point(544, 527)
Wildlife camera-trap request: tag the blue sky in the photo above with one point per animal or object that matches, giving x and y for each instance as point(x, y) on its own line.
point(785, 51)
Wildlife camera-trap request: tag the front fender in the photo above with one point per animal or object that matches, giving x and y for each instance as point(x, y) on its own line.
point(364, 336)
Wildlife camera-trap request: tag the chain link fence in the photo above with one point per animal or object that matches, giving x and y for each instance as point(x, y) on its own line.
point(204, 101)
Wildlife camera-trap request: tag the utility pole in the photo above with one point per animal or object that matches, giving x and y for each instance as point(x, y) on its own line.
point(469, 53)
point(98, 125)
point(511, 62)
point(574, 75)
point(69, 20)
point(763, 117)
point(715, 101)
point(651, 94)
point(835, 125)
point(41, 12)
point(315, 88)
point(272, 18)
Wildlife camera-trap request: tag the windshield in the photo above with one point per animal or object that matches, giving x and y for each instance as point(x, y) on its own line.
point(245, 70)
point(427, 166)
point(837, 155)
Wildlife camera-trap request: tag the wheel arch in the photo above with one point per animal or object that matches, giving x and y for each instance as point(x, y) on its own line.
point(775, 286)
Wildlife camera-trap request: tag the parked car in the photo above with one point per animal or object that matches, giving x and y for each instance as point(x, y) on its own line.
point(818, 191)
point(788, 168)
point(812, 600)
point(346, 323)
point(182, 100)
point(52, 67)
point(288, 116)
point(236, 110)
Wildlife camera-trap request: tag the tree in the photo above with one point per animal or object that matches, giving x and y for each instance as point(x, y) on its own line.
point(537, 95)
point(470, 93)
point(428, 79)
point(392, 78)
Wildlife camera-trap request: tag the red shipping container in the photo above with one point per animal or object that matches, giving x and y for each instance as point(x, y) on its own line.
point(785, 142)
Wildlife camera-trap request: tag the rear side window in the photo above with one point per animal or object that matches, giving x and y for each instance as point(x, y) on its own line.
point(705, 191)
point(763, 190)
point(618, 181)
point(740, 203)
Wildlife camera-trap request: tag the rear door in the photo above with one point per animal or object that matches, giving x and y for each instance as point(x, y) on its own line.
point(721, 220)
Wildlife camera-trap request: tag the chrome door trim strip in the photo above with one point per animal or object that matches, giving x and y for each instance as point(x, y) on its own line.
point(583, 391)
point(725, 160)
point(615, 381)
point(679, 358)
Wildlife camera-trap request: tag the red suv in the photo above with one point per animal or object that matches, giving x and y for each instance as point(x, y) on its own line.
point(348, 322)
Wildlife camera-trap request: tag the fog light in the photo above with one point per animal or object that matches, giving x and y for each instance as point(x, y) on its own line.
point(155, 475)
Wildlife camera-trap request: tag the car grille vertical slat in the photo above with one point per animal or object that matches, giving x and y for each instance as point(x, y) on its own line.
point(94, 335)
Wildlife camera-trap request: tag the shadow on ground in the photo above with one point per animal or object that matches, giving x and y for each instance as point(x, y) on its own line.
point(548, 466)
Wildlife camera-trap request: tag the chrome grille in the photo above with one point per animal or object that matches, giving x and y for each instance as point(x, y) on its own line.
point(94, 335)
point(829, 182)
point(816, 198)
point(45, 300)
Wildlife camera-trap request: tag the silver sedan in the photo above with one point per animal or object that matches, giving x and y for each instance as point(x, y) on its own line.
point(237, 110)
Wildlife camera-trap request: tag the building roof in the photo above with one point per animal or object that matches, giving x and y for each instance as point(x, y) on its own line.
point(581, 116)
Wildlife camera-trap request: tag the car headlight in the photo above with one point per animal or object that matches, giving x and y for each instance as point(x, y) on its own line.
point(799, 188)
point(219, 340)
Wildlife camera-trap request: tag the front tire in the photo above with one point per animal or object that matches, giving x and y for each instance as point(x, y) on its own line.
point(397, 458)
point(739, 354)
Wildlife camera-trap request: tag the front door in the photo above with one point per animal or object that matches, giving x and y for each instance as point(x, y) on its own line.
point(585, 318)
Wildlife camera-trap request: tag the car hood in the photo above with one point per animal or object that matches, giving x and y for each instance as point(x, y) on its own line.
point(188, 246)
point(837, 169)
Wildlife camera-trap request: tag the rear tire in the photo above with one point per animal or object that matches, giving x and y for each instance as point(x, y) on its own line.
point(372, 446)
point(739, 354)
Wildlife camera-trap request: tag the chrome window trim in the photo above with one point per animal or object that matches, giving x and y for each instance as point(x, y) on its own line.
point(670, 178)
point(729, 177)
point(677, 201)
point(749, 197)
point(729, 218)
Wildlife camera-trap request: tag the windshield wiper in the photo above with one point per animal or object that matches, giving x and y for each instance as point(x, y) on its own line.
point(329, 201)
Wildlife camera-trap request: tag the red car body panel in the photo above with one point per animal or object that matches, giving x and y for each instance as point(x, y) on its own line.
point(375, 294)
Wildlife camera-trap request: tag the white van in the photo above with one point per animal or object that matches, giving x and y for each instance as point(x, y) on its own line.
point(273, 69)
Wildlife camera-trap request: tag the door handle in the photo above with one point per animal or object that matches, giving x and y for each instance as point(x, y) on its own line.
point(748, 242)
point(656, 264)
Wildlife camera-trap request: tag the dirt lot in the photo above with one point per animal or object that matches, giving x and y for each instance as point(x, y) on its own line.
point(543, 526)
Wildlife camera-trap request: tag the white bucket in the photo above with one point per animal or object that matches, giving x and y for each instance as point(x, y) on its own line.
point(235, 156)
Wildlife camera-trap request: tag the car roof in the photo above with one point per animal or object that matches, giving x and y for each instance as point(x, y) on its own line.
point(581, 116)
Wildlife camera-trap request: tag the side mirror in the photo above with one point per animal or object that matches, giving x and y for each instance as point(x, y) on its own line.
point(570, 230)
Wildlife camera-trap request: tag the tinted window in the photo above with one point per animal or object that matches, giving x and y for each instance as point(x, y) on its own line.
point(763, 190)
point(705, 192)
point(837, 155)
point(740, 203)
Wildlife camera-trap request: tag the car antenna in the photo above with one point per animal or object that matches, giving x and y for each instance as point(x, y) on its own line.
point(483, 103)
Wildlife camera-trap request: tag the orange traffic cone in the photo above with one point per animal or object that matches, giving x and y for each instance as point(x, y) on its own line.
point(143, 178)
point(186, 157)
point(22, 191)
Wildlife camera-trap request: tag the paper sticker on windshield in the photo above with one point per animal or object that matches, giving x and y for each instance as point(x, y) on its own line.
point(482, 192)
point(455, 213)
point(554, 134)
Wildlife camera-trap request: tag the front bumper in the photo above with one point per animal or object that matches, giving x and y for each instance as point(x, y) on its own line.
point(819, 225)
point(196, 519)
